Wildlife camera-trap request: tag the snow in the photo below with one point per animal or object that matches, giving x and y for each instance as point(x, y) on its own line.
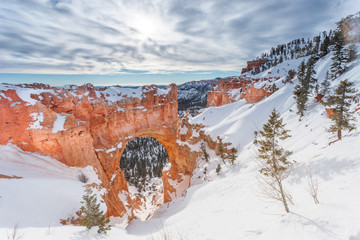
point(59, 123)
point(25, 93)
point(37, 119)
point(183, 130)
point(47, 192)
point(114, 94)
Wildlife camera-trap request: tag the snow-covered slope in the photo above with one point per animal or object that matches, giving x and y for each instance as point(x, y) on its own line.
point(45, 192)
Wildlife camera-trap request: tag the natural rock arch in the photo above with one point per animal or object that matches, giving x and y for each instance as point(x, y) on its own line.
point(96, 125)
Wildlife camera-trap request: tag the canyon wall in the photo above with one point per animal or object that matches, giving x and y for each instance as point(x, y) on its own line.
point(255, 64)
point(84, 125)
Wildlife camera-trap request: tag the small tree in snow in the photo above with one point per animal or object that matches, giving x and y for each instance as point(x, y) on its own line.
point(206, 155)
point(313, 187)
point(233, 155)
point(218, 169)
point(325, 85)
point(222, 150)
point(340, 104)
point(205, 173)
point(290, 76)
point(90, 213)
point(273, 159)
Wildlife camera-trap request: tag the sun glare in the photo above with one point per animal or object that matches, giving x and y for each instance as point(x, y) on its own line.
point(146, 25)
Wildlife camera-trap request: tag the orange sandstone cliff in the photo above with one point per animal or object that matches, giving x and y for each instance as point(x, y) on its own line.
point(235, 88)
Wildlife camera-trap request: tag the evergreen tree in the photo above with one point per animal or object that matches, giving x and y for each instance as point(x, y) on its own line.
point(222, 150)
point(233, 155)
point(340, 104)
point(307, 81)
point(351, 53)
point(338, 59)
point(302, 90)
point(310, 79)
point(218, 169)
point(324, 48)
point(325, 85)
point(205, 173)
point(290, 76)
point(206, 155)
point(90, 214)
point(273, 158)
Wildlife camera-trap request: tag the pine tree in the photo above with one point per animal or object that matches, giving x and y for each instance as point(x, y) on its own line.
point(310, 73)
point(301, 90)
point(218, 169)
point(273, 158)
point(222, 150)
point(233, 155)
point(338, 59)
point(340, 104)
point(324, 48)
point(90, 214)
point(290, 76)
point(205, 173)
point(351, 53)
point(325, 85)
point(206, 155)
point(307, 81)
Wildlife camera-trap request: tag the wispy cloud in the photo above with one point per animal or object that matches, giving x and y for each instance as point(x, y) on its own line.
point(150, 37)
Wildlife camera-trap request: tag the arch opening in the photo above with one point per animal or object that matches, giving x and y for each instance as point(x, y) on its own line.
point(142, 162)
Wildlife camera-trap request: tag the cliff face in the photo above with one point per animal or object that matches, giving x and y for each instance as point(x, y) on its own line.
point(233, 89)
point(81, 126)
point(256, 64)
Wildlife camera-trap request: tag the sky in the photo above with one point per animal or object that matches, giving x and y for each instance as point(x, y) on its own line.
point(142, 42)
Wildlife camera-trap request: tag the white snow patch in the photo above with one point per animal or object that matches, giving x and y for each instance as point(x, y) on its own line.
point(37, 119)
point(59, 123)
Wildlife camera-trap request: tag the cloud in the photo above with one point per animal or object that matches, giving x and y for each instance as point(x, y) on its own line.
point(148, 37)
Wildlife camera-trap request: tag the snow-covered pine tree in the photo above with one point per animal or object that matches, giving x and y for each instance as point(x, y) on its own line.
point(338, 58)
point(90, 213)
point(273, 159)
point(340, 104)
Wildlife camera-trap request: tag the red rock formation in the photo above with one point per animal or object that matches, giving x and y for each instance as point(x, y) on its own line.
point(255, 64)
point(9, 177)
point(233, 89)
point(97, 124)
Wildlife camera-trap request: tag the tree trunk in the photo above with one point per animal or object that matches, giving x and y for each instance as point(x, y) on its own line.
point(283, 197)
point(339, 134)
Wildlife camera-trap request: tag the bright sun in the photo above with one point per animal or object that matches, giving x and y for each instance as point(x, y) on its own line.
point(148, 26)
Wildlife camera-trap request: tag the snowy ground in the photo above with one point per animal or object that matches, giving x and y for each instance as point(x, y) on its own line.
point(228, 206)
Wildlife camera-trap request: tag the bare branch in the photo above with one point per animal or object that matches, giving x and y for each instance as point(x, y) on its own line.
point(313, 186)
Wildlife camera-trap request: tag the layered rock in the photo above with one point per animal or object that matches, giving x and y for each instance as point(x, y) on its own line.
point(235, 88)
point(81, 126)
point(252, 65)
